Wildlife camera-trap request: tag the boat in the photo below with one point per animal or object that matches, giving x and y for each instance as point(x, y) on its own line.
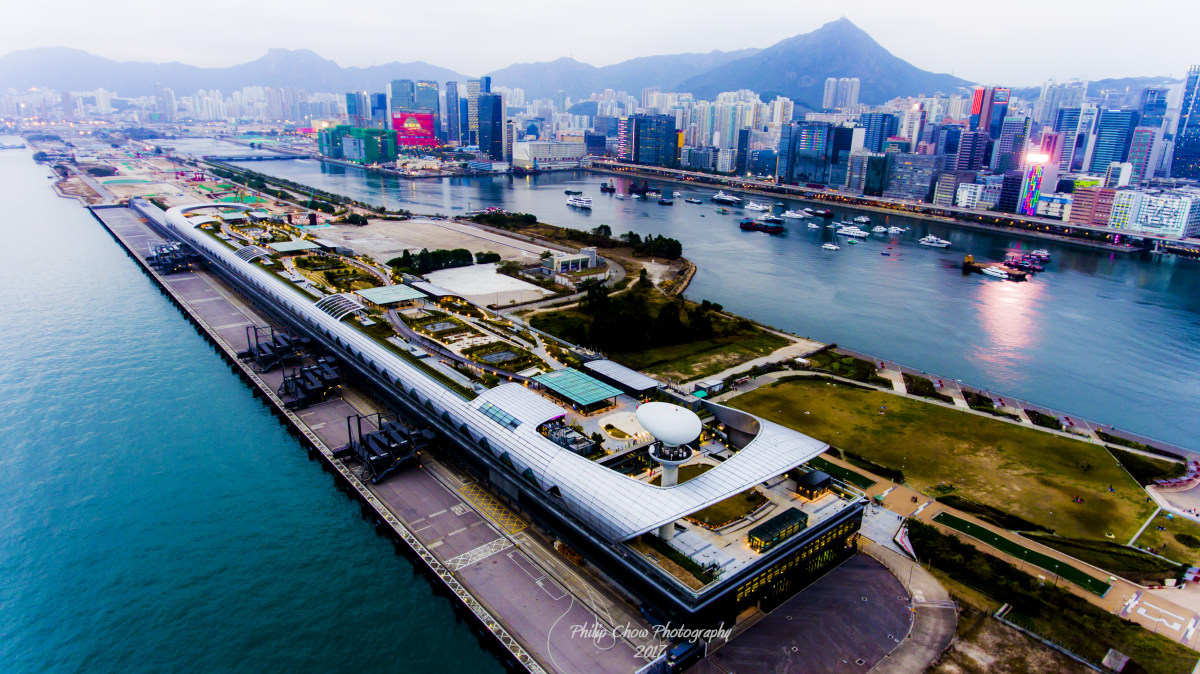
point(752, 206)
point(666, 201)
point(15, 146)
point(794, 215)
point(580, 202)
point(823, 213)
point(806, 209)
point(1042, 253)
point(723, 211)
point(831, 246)
point(692, 201)
point(607, 187)
point(885, 252)
point(995, 271)
point(753, 225)
point(572, 191)
point(830, 225)
point(896, 230)
point(933, 242)
point(853, 231)
point(862, 218)
point(813, 225)
point(677, 194)
point(722, 198)
point(637, 195)
point(852, 241)
point(770, 217)
point(878, 229)
point(635, 189)
point(621, 197)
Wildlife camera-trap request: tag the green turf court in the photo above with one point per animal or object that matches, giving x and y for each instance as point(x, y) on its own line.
point(1011, 547)
point(844, 474)
point(126, 181)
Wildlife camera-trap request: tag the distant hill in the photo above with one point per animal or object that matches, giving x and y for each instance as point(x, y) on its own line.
point(77, 70)
point(797, 68)
point(1094, 88)
point(545, 79)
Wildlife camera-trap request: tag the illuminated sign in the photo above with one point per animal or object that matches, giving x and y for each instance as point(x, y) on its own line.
point(414, 129)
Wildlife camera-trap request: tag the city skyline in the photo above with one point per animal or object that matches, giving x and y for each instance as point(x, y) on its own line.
point(939, 43)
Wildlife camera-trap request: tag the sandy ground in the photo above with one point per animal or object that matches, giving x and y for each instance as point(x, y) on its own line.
point(386, 239)
point(481, 284)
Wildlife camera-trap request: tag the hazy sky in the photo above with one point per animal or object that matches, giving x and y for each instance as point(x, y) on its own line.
point(1016, 42)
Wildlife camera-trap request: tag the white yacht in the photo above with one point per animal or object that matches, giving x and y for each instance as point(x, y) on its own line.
point(621, 197)
point(813, 225)
point(879, 229)
point(752, 206)
point(851, 230)
point(794, 215)
point(677, 194)
point(896, 230)
point(933, 242)
point(722, 198)
point(831, 246)
point(995, 271)
point(862, 219)
point(580, 201)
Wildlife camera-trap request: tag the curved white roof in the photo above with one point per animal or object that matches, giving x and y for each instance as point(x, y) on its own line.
point(613, 505)
point(672, 424)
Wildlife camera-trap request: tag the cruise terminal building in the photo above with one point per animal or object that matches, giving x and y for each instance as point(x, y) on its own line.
point(643, 536)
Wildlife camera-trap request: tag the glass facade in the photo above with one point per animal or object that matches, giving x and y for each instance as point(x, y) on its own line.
point(1114, 132)
point(1186, 160)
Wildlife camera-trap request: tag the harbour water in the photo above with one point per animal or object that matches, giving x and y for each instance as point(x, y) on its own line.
point(1106, 336)
point(157, 517)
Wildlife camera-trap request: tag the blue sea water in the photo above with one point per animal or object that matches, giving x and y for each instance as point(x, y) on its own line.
point(156, 516)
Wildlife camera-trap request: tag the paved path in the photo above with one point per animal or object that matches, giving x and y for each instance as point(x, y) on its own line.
point(935, 616)
point(799, 348)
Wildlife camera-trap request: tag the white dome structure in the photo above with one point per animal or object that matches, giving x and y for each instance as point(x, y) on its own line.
point(672, 424)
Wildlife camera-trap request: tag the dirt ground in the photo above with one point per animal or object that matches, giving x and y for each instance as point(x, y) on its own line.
point(987, 646)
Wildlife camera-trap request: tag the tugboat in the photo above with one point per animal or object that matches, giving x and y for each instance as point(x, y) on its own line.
point(568, 192)
point(692, 201)
point(642, 190)
point(608, 188)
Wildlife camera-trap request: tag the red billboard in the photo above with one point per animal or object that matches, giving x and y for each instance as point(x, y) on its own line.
point(414, 129)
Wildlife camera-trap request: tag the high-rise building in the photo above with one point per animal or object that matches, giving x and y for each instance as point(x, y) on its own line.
point(847, 92)
point(1185, 162)
point(1039, 172)
point(868, 173)
point(912, 176)
point(1006, 156)
point(1091, 206)
point(651, 139)
point(491, 125)
point(1152, 106)
point(379, 111)
point(829, 99)
point(879, 127)
point(972, 147)
point(1000, 101)
point(839, 160)
point(1144, 151)
point(1114, 132)
point(1056, 96)
point(1010, 192)
point(402, 94)
point(1066, 122)
point(810, 151)
point(474, 89)
point(453, 120)
point(358, 109)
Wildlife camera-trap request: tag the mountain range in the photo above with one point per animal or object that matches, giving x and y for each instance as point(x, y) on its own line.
point(795, 67)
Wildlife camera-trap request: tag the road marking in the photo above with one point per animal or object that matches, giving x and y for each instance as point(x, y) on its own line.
point(440, 512)
point(546, 584)
point(491, 508)
point(478, 554)
point(456, 531)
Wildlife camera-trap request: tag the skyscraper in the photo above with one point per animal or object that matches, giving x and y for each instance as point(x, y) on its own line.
point(1144, 150)
point(972, 147)
point(811, 149)
point(358, 110)
point(650, 139)
point(490, 108)
point(1006, 156)
point(401, 93)
point(474, 88)
point(999, 110)
point(1066, 122)
point(847, 94)
point(879, 127)
point(1114, 132)
point(1186, 160)
point(1152, 106)
point(829, 99)
point(453, 120)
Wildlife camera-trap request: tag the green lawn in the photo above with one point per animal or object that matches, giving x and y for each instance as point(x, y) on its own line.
point(1019, 470)
point(1026, 555)
point(844, 474)
point(692, 360)
point(1130, 564)
point(722, 512)
point(1180, 542)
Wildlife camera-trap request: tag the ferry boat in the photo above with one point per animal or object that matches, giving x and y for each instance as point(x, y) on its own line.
point(933, 242)
point(752, 206)
point(794, 215)
point(813, 225)
point(722, 198)
point(878, 229)
point(752, 225)
point(853, 231)
point(692, 201)
point(831, 246)
point(580, 202)
point(863, 219)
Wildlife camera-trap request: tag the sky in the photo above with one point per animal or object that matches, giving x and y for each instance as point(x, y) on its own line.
point(1015, 42)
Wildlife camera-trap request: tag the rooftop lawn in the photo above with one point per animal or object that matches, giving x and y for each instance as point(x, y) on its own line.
point(1029, 473)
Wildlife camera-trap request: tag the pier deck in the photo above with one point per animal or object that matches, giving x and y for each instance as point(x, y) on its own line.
point(500, 561)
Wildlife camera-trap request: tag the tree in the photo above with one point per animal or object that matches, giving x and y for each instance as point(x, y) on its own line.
point(595, 299)
point(668, 328)
point(632, 238)
point(424, 262)
point(603, 231)
point(644, 280)
point(546, 255)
